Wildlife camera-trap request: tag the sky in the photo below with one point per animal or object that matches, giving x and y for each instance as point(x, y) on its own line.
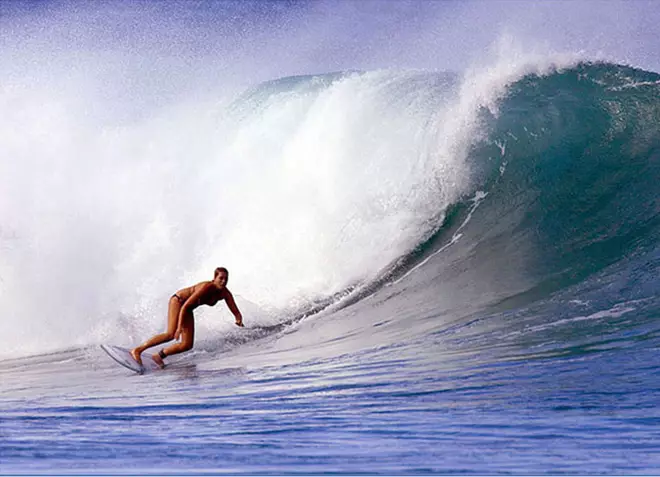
point(273, 39)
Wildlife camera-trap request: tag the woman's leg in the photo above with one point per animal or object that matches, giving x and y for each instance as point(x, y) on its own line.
point(172, 322)
point(186, 343)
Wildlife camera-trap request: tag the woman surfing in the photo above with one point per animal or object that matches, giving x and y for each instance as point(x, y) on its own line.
point(180, 319)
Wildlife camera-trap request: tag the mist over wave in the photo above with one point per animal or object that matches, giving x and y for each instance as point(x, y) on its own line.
point(303, 188)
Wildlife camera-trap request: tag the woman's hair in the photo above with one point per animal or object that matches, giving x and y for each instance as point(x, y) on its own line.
point(220, 270)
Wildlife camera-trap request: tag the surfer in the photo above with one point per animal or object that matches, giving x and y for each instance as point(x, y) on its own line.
point(180, 319)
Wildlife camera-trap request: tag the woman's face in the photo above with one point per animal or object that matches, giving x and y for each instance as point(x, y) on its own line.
point(221, 279)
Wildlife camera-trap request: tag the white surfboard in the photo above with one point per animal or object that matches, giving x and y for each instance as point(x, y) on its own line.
point(123, 357)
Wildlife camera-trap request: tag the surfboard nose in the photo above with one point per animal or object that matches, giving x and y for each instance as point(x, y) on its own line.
point(123, 357)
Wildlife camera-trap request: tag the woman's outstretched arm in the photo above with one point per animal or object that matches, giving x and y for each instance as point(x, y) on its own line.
point(231, 304)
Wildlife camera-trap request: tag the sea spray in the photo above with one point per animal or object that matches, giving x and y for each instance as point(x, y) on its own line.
point(303, 188)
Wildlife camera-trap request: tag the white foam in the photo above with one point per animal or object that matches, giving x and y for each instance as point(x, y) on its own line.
point(104, 215)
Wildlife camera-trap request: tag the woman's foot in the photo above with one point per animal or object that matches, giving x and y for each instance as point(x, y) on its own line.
point(158, 360)
point(136, 356)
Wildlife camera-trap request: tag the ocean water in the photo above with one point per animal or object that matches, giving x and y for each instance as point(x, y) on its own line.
point(439, 273)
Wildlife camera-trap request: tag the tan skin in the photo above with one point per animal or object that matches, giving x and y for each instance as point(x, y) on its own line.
point(180, 320)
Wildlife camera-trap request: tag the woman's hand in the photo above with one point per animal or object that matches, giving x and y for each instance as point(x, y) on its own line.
point(239, 322)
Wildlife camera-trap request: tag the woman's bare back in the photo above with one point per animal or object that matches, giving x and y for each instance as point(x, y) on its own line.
point(210, 297)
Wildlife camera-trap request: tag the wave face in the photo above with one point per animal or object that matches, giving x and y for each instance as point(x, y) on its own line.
point(557, 225)
point(580, 153)
point(570, 163)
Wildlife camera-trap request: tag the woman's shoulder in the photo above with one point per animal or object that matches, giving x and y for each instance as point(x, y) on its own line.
point(202, 286)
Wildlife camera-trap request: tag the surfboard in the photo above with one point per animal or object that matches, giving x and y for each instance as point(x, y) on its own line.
point(123, 357)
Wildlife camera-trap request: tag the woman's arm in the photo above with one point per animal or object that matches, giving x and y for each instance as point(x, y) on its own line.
point(231, 304)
